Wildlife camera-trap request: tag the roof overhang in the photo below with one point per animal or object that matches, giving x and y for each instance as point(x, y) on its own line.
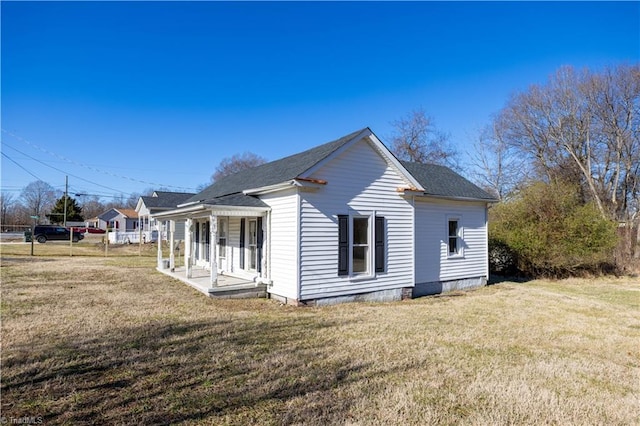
point(421, 194)
point(203, 209)
point(299, 182)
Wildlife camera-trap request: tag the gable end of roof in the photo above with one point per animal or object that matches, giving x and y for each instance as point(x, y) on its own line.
point(272, 173)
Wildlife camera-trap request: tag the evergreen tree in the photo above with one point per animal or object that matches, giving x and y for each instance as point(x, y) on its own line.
point(74, 211)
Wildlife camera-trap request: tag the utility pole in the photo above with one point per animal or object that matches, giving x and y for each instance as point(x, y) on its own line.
point(66, 191)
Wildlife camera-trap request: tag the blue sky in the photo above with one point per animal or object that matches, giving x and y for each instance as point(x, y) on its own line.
point(123, 96)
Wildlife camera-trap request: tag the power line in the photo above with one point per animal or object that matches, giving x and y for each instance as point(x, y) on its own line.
point(79, 192)
point(57, 169)
point(86, 166)
point(14, 162)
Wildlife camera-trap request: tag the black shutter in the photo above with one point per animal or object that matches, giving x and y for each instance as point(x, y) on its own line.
point(242, 226)
point(380, 238)
point(196, 240)
point(259, 240)
point(343, 245)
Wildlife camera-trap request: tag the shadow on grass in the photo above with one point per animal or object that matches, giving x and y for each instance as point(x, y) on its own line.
point(499, 279)
point(246, 371)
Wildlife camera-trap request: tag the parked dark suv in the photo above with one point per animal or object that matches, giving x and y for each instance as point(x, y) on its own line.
point(43, 233)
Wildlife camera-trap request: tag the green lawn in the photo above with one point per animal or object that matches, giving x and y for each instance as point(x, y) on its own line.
point(85, 340)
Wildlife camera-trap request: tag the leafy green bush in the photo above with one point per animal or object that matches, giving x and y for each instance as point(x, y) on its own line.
point(549, 231)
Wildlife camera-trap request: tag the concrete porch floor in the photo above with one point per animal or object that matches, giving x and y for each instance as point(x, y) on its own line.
point(228, 287)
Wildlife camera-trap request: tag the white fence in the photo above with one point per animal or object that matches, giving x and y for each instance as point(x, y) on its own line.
point(132, 237)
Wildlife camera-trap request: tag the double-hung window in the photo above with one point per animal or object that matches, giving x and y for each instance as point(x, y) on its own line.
point(361, 245)
point(454, 236)
point(223, 226)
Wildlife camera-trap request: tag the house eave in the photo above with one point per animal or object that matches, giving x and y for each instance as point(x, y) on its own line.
point(449, 197)
point(179, 212)
point(204, 208)
point(189, 203)
point(300, 182)
point(269, 188)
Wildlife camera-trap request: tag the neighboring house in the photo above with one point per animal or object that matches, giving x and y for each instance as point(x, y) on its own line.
point(122, 220)
point(342, 221)
point(160, 201)
point(94, 222)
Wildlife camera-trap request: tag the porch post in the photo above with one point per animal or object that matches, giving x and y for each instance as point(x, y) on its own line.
point(187, 246)
point(172, 258)
point(159, 247)
point(213, 231)
point(265, 245)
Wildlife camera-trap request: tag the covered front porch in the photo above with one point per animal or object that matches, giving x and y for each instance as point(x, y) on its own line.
point(225, 249)
point(227, 286)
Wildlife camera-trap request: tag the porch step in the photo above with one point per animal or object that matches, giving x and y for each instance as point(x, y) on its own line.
point(244, 291)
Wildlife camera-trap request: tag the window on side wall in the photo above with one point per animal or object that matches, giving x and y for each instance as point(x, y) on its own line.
point(222, 237)
point(361, 245)
point(454, 236)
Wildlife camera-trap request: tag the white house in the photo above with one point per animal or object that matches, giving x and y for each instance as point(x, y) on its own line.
point(120, 219)
point(343, 221)
point(121, 224)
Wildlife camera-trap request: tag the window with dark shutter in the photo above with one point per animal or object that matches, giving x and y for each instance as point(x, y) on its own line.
point(196, 240)
point(379, 240)
point(343, 245)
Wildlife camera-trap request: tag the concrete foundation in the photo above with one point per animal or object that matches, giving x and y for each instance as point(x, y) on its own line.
point(420, 290)
point(437, 287)
point(376, 296)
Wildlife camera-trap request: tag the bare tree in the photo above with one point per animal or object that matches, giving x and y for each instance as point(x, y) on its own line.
point(117, 202)
point(498, 168)
point(7, 202)
point(237, 163)
point(132, 200)
point(92, 206)
point(416, 139)
point(38, 197)
point(583, 125)
point(614, 102)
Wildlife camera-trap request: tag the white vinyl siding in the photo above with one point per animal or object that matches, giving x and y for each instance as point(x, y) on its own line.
point(359, 182)
point(179, 230)
point(433, 261)
point(233, 244)
point(284, 242)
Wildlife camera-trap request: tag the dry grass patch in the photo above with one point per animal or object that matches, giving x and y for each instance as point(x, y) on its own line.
point(88, 341)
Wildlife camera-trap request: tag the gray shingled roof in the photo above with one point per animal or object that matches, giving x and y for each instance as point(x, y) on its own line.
point(444, 182)
point(436, 180)
point(166, 200)
point(268, 174)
